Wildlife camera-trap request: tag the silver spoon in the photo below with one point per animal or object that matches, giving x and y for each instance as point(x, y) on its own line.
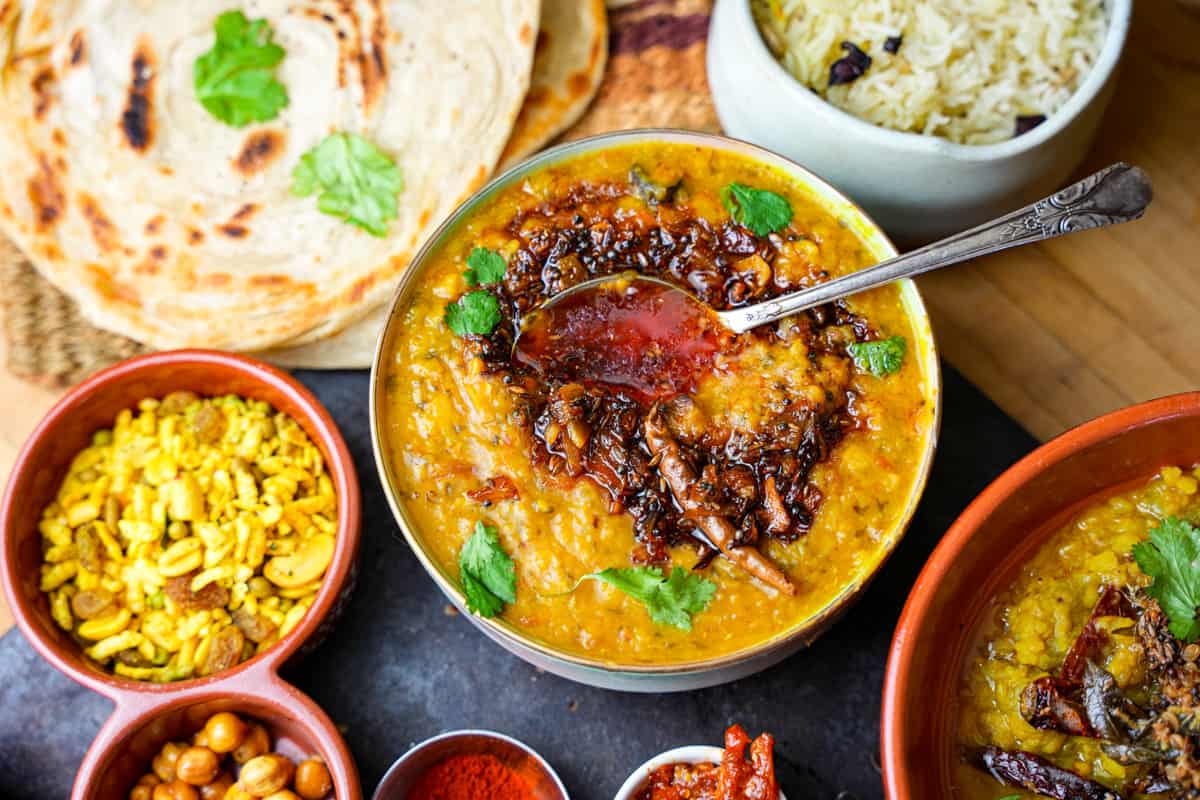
point(1116, 194)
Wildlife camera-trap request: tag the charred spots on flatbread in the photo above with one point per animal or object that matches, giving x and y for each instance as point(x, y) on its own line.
point(258, 151)
point(244, 213)
point(233, 230)
point(43, 91)
point(526, 33)
point(104, 232)
point(374, 66)
point(78, 49)
point(46, 196)
point(137, 121)
point(195, 236)
point(154, 225)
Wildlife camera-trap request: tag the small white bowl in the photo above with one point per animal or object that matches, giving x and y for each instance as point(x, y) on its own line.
point(917, 187)
point(691, 754)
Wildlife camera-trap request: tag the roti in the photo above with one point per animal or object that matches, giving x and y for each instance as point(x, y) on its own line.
point(172, 228)
point(568, 66)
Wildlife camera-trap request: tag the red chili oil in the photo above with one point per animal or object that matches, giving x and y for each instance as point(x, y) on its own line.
point(637, 335)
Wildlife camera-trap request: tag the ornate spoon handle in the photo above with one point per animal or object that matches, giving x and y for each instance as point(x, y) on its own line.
point(1116, 194)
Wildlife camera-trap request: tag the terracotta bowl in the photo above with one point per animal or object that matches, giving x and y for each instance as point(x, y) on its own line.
point(979, 556)
point(147, 713)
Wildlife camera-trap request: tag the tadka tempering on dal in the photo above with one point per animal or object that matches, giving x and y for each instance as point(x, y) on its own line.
point(794, 450)
point(1075, 687)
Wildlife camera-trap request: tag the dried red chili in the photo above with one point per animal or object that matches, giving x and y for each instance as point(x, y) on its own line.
point(471, 777)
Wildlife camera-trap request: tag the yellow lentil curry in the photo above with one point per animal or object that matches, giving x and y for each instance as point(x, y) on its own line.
point(787, 445)
point(1075, 686)
point(191, 535)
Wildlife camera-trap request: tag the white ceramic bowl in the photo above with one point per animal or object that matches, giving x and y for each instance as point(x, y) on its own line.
point(917, 187)
point(691, 754)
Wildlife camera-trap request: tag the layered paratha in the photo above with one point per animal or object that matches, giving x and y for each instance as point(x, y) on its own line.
point(174, 228)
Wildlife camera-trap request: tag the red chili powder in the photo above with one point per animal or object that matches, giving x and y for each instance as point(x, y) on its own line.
point(470, 777)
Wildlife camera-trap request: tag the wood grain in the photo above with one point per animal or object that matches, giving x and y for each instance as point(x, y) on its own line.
point(1064, 331)
point(1060, 332)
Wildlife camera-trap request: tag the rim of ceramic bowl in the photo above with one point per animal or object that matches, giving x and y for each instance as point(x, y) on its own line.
point(687, 754)
point(921, 598)
point(1119, 14)
point(402, 762)
point(832, 201)
point(338, 576)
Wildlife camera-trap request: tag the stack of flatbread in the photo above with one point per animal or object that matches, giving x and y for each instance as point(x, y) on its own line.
point(175, 229)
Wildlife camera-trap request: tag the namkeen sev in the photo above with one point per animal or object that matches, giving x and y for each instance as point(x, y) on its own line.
point(192, 534)
point(182, 176)
point(609, 519)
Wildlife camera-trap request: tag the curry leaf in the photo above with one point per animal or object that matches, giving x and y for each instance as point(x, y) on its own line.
point(880, 358)
point(476, 312)
point(759, 210)
point(484, 266)
point(356, 181)
point(1172, 558)
point(488, 574)
point(670, 600)
point(235, 79)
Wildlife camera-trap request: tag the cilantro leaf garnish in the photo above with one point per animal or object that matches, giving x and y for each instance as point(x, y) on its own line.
point(484, 266)
point(488, 576)
point(880, 358)
point(475, 312)
point(758, 209)
point(355, 179)
point(1011, 797)
point(1172, 559)
point(670, 600)
point(235, 80)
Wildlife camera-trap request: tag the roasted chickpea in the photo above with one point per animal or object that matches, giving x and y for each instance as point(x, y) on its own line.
point(236, 792)
point(312, 779)
point(164, 763)
point(200, 739)
point(284, 794)
point(257, 742)
point(175, 790)
point(149, 779)
point(141, 792)
point(197, 766)
point(217, 789)
point(264, 775)
point(225, 732)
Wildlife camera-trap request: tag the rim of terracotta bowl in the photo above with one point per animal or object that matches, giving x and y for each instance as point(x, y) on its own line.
point(400, 767)
point(833, 202)
point(687, 754)
point(1107, 60)
point(138, 700)
point(247, 699)
point(894, 736)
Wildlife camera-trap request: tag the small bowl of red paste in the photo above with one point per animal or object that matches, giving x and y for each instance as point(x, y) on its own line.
point(743, 770)
point(471, 765)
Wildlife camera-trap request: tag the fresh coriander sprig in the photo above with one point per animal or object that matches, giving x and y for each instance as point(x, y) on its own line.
point(235, 79)
point(484, 266)
point(759, 210)
point(880, 358)
point(476, 312)
point(1172, 558)
point(356, 181)
point(670, 600)
point(488, 575)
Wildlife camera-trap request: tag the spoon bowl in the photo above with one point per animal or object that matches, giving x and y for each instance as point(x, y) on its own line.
point(649, 335)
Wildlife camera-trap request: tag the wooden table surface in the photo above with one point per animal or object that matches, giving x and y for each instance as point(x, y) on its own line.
point(1056, 333)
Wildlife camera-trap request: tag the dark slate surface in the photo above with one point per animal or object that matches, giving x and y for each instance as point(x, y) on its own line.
point(398, 669)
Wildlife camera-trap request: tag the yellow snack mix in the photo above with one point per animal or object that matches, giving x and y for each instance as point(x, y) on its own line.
point(188, 537)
